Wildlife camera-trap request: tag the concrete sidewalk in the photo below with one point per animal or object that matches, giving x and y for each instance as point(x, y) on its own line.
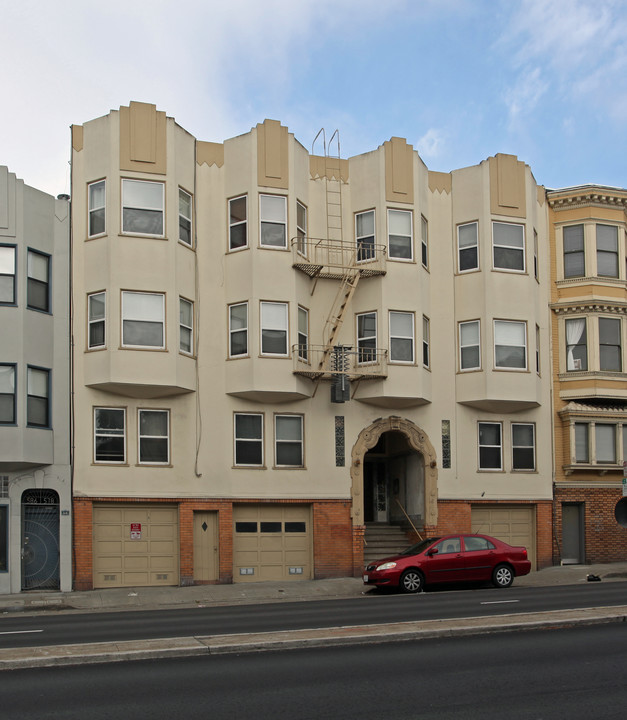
point(124, 599)
point(145, 598)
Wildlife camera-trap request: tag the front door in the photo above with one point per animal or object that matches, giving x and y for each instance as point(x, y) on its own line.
point(375, 491)
point(572, 533)
point(205, 546)
point(40, 540)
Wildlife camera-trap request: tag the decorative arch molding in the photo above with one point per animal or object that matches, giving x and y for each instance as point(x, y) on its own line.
point(418, 440)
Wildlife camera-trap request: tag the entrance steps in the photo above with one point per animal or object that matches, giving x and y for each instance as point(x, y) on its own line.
point(383, 540)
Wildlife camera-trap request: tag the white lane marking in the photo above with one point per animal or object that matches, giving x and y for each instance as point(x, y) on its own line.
point(19, 632)
point(499, 602)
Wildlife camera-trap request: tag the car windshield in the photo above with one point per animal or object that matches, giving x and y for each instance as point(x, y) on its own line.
point(419, 547)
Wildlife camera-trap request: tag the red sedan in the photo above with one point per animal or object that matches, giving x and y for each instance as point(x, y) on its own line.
point(452, 558)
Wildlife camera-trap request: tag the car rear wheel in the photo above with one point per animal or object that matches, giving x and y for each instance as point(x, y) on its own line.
point(412, 581)
point(502, 576)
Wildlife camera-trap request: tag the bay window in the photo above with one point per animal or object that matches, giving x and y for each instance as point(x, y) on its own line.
point(510, 344)
point(143, 319)
point(143, 207)
point(508, 246)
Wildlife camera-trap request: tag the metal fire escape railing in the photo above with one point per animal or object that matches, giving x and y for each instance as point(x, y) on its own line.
point(332, 258)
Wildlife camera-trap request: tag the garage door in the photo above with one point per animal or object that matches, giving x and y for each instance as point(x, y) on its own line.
point(513, 525)
point(135, 545)
point(271, 542)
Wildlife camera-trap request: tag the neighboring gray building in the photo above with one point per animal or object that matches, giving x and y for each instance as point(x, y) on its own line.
point(35, 477)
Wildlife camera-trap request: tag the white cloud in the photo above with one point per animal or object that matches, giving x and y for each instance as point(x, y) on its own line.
point(430, 144)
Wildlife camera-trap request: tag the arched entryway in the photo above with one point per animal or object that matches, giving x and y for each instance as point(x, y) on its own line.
point(40, 540)
point(394, 480)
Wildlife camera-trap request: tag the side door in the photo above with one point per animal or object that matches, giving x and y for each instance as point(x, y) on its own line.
point(480, 557)
point(447, 564)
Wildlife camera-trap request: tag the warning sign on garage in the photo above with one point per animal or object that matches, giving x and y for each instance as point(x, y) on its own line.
point(136, 531)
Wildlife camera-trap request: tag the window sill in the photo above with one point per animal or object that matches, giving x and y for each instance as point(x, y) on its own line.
point(593, 467)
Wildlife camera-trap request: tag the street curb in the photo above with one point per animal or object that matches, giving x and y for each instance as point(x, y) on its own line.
point(106, 652)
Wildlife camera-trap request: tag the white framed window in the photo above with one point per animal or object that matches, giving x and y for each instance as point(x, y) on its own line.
point(274, 328)
point(367, 337)
point(576, 344)
point(401, 337)
point(301, 228)
point(365, 235)
point(38, 285)
point(154, 437)
point(523, 446)
point(510, 344)
point(424, 241)
point(109, 435)
point(303, 333)
point(288, 440)
point(400, 235)
point(185, 217)
point(96, 314)
point(7, 274)
point(607, 250)
point(273, 220)
point(468, 247)
point(490, 446)
point(238, 329)
point(143, 207)
point(143, 320)
point(599, 442)
point(186, 326)
point(470, 345)
point(574, 251)
point(7, 394)
point(38, 397)
point(238, 223)
point(610, 350)
point(508, 246)
point(426, 341)
point(96, 194)
point(248, 439)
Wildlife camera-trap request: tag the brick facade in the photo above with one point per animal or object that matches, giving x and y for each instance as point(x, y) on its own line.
point(604, 539)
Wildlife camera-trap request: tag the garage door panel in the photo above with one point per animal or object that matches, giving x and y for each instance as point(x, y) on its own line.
point(513, 525)
point(270, 552)
point(123, 561)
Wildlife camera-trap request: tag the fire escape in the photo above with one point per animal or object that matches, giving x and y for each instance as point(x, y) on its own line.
point(333, 258)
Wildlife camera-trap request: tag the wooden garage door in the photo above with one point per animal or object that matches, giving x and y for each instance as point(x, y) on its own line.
point(271, 542)
point(513, 525)
point(135, 545)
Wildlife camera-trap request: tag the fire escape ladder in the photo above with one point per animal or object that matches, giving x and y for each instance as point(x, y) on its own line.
point(338, 311)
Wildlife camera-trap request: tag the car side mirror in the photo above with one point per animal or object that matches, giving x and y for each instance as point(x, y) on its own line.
point(432, 551)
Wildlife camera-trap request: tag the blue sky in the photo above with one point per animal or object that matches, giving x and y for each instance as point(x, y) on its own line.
point(459, 79)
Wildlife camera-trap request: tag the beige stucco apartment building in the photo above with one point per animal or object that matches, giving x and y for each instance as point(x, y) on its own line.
point(279, 352)
point(589, 300)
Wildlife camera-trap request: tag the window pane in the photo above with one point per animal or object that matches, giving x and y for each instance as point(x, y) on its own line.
point(401, 350)
point(146, 222)
point(288, 428)
point(248, 453)
point(142, 306)
point(274, 315)
point(38, 266)
point(467, 235)
point(274, 342)
point(153, 450)
point(38, 382)
point(581, 443)
point(607, 238)
point(273, 208)
point(139, 194)
point(97, 306)
point(7, 260)
point(7, 288)
point(37, 411)
point(109, 449)
point(142, 333)
point(239, 342)
point(185, 312)
point(507, 234)
point(239, 316)
point(402, 324)
point(110, 419)
point(489, 434)
point(399, 222)
point(153, 422)
point(605, 437)
point(37, 295)
point(365, 224)
point(237, 210)
point(470, 357)
point(248, 426)
point(469, 333)
point(289, 454)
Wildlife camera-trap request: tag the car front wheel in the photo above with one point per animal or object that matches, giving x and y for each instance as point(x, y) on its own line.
point(412, 581)
point(502, 576)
